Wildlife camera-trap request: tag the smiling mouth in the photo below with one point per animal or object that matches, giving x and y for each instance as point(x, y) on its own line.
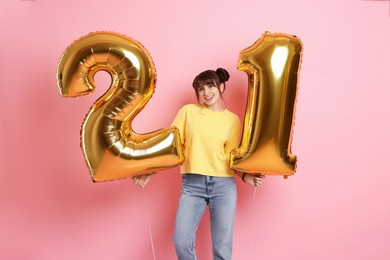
point(209, 97)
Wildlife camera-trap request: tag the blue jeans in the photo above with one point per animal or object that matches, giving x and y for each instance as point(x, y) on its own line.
point(198, 191)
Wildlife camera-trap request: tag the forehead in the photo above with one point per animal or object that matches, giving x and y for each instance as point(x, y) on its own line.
point(208, 82)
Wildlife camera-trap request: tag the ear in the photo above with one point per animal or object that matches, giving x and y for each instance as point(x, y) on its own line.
point(221, 88)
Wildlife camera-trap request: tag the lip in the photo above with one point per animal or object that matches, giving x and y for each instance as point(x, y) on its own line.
point(208, 97)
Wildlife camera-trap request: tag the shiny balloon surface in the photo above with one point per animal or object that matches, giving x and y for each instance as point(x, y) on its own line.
point(111, 148)
point(272, 64)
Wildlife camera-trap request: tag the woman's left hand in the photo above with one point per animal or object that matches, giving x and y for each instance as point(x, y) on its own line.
point(254, 180)
point(142, 180)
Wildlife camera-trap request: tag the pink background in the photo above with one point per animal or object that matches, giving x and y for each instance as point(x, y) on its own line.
point(336, 206)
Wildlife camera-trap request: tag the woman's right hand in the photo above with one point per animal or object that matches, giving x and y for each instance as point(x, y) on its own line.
point(142, 180)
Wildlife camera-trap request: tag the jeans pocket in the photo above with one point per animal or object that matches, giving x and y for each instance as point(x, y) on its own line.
point(185, 176)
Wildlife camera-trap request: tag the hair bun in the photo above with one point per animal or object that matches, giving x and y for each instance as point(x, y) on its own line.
point(222, 74)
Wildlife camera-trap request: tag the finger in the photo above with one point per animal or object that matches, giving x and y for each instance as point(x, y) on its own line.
point(139, 183)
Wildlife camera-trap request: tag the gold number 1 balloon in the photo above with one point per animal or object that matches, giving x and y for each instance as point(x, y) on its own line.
point(111, 148)
point(272, 64)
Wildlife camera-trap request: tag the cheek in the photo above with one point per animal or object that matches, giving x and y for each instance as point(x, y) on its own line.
point(198, 96)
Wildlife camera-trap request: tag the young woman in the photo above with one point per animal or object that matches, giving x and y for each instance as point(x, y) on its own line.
point(208, 132)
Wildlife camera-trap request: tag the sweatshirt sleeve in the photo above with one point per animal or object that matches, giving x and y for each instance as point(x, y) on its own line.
point(234, 135)
point(179, 123)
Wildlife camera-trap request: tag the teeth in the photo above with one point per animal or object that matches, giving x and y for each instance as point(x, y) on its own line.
point(209, 97)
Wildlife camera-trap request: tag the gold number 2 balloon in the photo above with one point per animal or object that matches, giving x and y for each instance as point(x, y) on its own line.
point(111, 148)
point(272, 64)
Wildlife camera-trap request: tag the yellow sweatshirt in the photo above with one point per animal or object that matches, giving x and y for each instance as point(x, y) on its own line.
point(207, 137)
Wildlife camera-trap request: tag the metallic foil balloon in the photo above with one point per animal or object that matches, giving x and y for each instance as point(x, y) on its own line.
point(272, 64)
point(111, 148)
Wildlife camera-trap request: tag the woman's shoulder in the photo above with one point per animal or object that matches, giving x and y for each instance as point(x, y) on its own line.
point(233, 118)
point(231, 114)
point(188, 107)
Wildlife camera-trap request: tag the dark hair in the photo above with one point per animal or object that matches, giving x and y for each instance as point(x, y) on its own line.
point(211, 77)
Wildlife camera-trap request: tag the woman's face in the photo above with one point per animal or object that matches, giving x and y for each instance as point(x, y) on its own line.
point(209, 95)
